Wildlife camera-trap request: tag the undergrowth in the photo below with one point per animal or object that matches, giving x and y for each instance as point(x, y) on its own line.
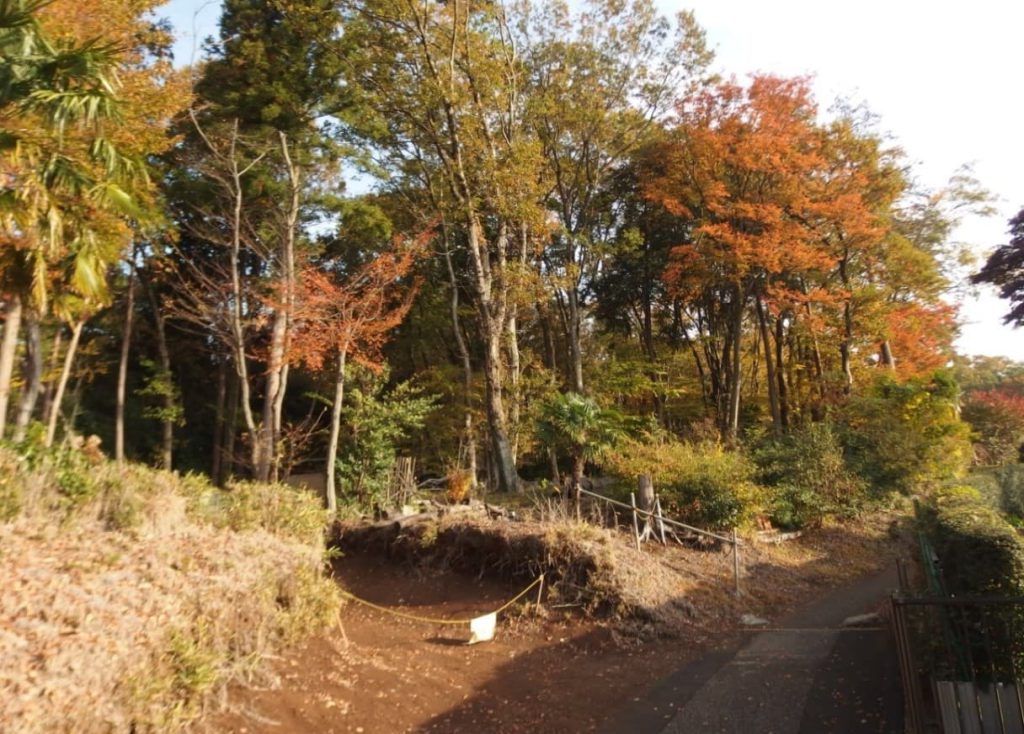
point(135, 596)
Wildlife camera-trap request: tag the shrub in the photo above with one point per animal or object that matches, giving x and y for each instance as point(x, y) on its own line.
point(807, 476)
point(702, 482)
point(376, 422)
point(997, 417)
point(899, 436)
point(980, 554)
point(1003, 489)
point(979, 551)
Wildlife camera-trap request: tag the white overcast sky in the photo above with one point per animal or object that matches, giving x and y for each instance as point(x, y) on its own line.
point(942, 76)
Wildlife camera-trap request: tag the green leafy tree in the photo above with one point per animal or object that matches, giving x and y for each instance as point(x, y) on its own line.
point(579, 427)
point(377, 422)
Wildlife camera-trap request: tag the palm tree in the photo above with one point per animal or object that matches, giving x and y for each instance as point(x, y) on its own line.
point(57, 190)
point(579, 426)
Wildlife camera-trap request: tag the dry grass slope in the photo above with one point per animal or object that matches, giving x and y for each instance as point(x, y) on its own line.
point(132, 597)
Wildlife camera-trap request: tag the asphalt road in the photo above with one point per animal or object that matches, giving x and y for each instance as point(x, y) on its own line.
point(807, 674)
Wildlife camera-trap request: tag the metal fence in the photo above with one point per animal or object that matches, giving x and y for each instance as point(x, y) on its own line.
point(962, 662)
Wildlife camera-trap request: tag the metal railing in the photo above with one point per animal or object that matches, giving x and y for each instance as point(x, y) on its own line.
point(962, 660)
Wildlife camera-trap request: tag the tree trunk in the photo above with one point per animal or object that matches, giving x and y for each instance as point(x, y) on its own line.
point(227, 465)
point(574, 337)
point(48, 383)
point(122, 367)
point(578, 465)
point(164, 353)
point(846, 345)
point(33, 375)
point(736, 383)
point(8, 351)
point(62, 383)
point(277, 369)
point(217, 459)
point(645, 502)
point(332, 442)
point(886, 356)
point(780, 372)
point(769, 366)
point(504, 463)
point(469, 435)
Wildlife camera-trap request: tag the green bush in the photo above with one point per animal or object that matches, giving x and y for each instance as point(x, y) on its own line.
point(901, 436)
point(376, 422)
point(807, 477)
point(980, 553)
point(702, 483)
point(1003, 489)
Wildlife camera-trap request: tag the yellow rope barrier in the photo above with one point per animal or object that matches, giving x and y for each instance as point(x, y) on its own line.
point(434, 620)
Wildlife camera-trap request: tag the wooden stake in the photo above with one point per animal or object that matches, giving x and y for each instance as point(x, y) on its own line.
point(736, 561)
point(636, 528)
point(661, 520)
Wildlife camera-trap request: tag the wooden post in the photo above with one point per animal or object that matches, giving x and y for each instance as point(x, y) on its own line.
point(661, 519)
point(636, 528)
point(736, 561)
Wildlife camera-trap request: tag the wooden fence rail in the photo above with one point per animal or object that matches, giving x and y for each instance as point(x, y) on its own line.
point(733, 540)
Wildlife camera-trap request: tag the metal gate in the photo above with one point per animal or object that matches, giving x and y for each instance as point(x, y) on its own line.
point(962, 662)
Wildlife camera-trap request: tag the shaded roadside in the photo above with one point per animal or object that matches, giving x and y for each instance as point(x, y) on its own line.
point(806, 675)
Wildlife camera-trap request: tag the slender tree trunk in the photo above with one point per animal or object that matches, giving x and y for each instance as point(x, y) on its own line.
point(62, 383)
point(277, 370)
point(332, 442)
point(574, 338)
point(217, 459)
point(780, 373)
point(819, 371)
point(844, 350)
point(769, 366)
point(227, 465)
point(51, 370)
point(846, 345)
point(164, 354)
point(8, 351)
point(122, 367)
point(736, 382)
point(469, 434)
point(33, 374)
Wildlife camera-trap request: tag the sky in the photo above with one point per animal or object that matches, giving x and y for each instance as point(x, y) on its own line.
point(942, 77)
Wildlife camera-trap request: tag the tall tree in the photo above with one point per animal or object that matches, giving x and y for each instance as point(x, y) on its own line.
point(271, 81)
point(78, 116)
point(442, 86)
point(743, 166)
point(348, 316)
point(600, 79)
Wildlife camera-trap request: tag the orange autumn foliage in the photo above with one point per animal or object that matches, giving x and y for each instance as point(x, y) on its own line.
point(354, 314)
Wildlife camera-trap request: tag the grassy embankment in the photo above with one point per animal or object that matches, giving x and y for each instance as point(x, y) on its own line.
point(133, 597)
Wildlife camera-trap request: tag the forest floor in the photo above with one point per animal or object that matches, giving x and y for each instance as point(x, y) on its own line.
point(554, 671)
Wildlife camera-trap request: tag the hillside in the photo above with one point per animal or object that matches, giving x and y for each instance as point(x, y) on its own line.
point(133, 597)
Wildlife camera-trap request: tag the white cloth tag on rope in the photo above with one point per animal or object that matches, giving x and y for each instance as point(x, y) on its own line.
point(482, 628)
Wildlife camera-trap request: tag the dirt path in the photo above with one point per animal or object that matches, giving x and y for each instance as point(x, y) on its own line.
point(395, 675)
point(558, 673)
